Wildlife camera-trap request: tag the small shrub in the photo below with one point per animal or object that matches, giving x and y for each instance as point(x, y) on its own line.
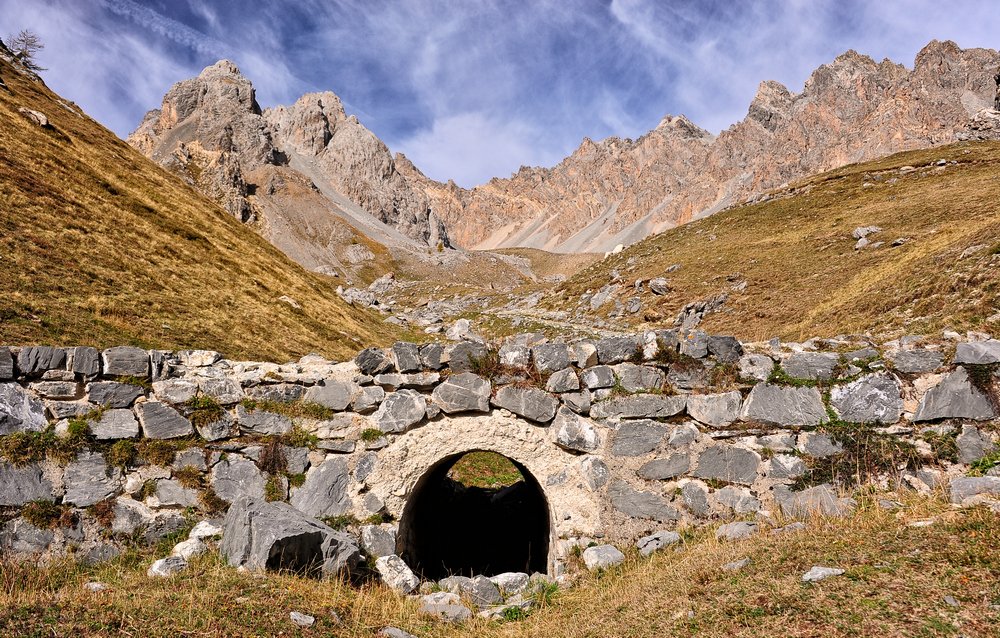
point(296, 480)
point(47, 515)
point(139, 382)
point(103, 512)
point(148, 489)
point(340, 522)
point(298, 437)
point(121, 454)
point(370, 435)
point(272, 457)
point(211, 502)
point(985, 464)
point(487, 365)
point(545, 594)
point(293, 409)
point(189, 476)
point(157, 451)
point(867, 455)
point(22, 448)
point(378, 519)
point(204, 410)
point(944, 447)
point(513, 614)
point(274, 489)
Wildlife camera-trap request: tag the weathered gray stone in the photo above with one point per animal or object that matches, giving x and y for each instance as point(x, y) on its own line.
point(874, 398)
point(978, 352)
point(574, 432)
point(262, 421)
point(668, 467)
point(818, 445)
point(365, 466)
point(969, 486)
point(602, 557)
point(465, 392)
point(595, 472)
point(367, 399)
point(738, 499)
point(916, 361)
point(584, 354)
point(325, 491)
point(695, 496)
point(160, 421)
point(111, 394)
point(236, 476)
point(756, 366)
point(716, 410)
point(280, 392)
point(173, 391)
point(530, 403)
point(786, 466)
point(191, 457)
point(170, 493)
point(728, 463)
point(636, 378)
point(259, 536)
point(373, 361)
point(6, 364)
point(736, 565)
point(640, 406)
point(563, 381)
point(784, 406)
point(198, 358)
point(636, 504)
point(394, 632)
point(19, 485)
point(736, 531)
point(396, 574)
point(445, 607)
point(406, 356)
point(820, 500)
point(725, 349)
point(125, 361)
point(378, 541)
point(611, 350)
point(598, 377)
point(817, 573)
point(657, 541)
point(551, 357)
point(683, 434)
point(972, 445)
point(115, 424)
point(810, 365)
point(34, 360)
point(89, 480)
point(578, 402)
point(510, 583)
point(515, 354)
point(480, 590)
point(336, 395)
point(19, 537)
point(225, 391)
point(57, 390)
point(20, 411)
point(463, 356)
point(400, 411)
point(430, 355)
point(636, 438)
point(216, 430)
point(693, 343)
point(954, 397)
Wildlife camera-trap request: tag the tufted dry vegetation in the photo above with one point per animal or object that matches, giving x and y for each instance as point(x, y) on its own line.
point(796, 253)
point(896, 581)
point(99, 246)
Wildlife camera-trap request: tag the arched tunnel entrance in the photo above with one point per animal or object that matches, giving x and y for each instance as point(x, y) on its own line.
point(475, 513)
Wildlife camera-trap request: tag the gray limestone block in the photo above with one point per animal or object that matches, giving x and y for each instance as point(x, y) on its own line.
point(6, 364)
point(378, 541)
point(84, 361)
point(640, 406)
point(978, 352)
point(20, 411)
point(262, 421)
point(325, 491)
point(716, 410)
point(235, 476)
point(430, 355)
point(728, 463)
point(574, 432)
point(174, 391)
point(464, 392)
point(969, 486)
point(578, 402)
point(693, 343)
point(336, 395)
point(111, 394)
point(530, 403)
point(551, 357)
point(372, 361)
point(756, 366)
point(810, 365)
point(916, 361)
point(89, 480)
point(725, 349)
point(564, 380)
point(635, 438)
point(406, 356)
point(225, 391)
point(160, 421)
point(818, 445)
point(738, 499)
point(34, 360)
point(602, 557)
point(657, 541)
point(955, 397)
point(462, 356)
point(367, 399)
point(598, 377)
point(874, 398)
point(115, 424)
point(125, 361)
point(22, 484)
point(665, 468)
point(611, 350)
point(639, 378)
point(400, 411)
point(19, 537)
point(695, 497)
point(638, 504)
point(595, 472)
point(820, 500)
point(973, 444)
point(784, 406)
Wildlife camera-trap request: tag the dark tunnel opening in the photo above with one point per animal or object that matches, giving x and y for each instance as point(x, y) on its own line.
point(466, 522)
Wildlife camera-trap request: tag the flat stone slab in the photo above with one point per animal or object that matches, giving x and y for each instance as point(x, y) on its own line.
point(874, 398)
point(400, 411)
point(665, 468)
point(115, 424)
point(716, 410)
point(20, 485)
point(530, 403)
point(636, 438)
point(954, 397)
point(336, 395)
point(784, 406)
point(970, 486)
point(125, 361)
point(736, 531)
point(657, 541)
point(916, 361)
point(20, 411)
point(573, 432)
point(817, 573)
point(820, 500)
point(396, 574)
point(813, 366)
point(464, 392)
point(728, 463)
point(160, 421)
point(236, 477)
point(638, 504)
point(640, 406)
point(89, 480)
point(978, 352)
point(324, 492)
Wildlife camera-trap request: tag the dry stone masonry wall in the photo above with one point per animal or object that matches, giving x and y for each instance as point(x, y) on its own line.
point(628, 437)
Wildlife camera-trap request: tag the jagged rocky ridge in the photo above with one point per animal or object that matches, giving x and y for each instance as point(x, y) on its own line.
point(622, 190)
point(211, 129)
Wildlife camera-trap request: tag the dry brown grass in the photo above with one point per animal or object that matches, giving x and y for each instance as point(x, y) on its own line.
point(796, 253)
point(897, 577)
point(99, 246)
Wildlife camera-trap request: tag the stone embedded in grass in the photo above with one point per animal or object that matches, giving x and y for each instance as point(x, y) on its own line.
point(95, 587)
point(736, 565)
point(874, 398)
point(205, 529)
point(819, 500)
point(602, 557)
point(972, 445)
point(511, 583)
point(817, 573)
point(20, 411)
point(966, 487)
point(395, 573)
point(160, 421)
point(465, 392)
point(400, 411)
point(784, 406)
point(478, 589)
point(444, 606)
point(916, 361)
point(189, 549)
point(716, 410)
point(393, 632)
point(302, 620)
point(166, 567)
point(657, 541)
point(530, 403)
point(736, 531)
point(978, 352)
point(955, 397)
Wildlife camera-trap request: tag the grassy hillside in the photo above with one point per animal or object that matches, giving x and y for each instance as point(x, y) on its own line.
point(796, 253)
point(896, 583)
point(100, 246)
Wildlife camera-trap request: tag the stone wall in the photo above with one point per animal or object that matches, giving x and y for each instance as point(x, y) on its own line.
point(625, 435)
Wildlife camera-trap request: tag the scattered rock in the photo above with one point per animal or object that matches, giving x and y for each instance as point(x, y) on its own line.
point(816, 574)
point(166, 567)
point(736, 531)
point(736, 565)
point(602, 557)
point(657, 541)
point(302, 620)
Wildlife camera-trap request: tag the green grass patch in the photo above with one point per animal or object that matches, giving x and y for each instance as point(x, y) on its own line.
point(486, 470)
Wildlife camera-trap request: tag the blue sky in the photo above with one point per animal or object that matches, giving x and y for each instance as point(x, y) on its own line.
point(471, 89)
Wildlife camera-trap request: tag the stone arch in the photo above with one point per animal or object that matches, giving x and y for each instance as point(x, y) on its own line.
point(573, 508)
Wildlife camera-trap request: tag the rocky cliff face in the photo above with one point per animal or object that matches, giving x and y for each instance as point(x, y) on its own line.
point(619, 191)
point(211, 130)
